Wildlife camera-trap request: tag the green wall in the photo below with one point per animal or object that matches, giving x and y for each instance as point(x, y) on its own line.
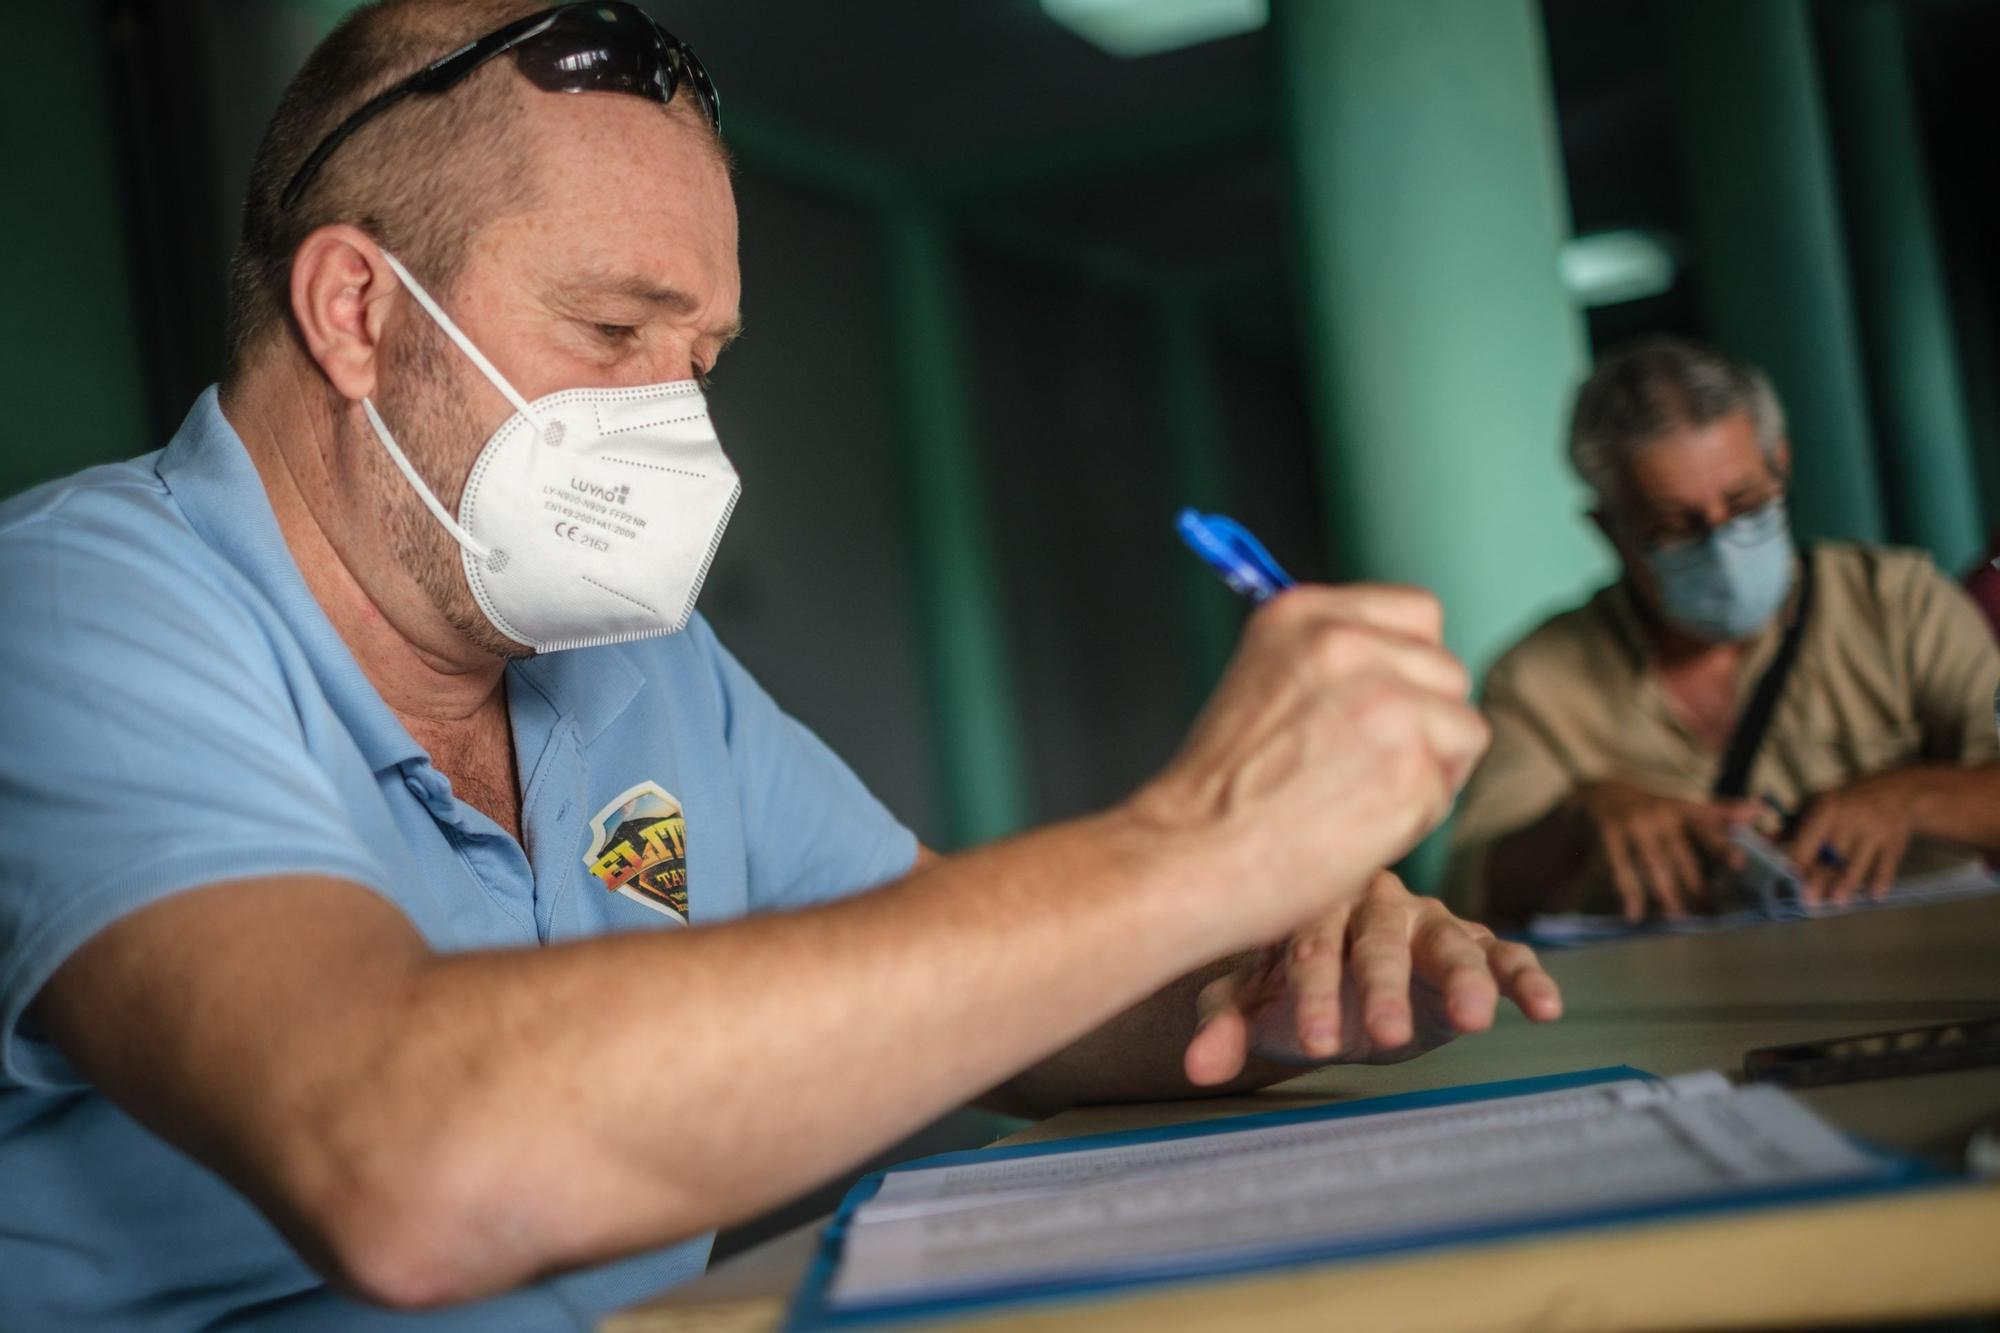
point(71, 371)
point(1770, 243)
point(1923, 432)
point(1441, 346)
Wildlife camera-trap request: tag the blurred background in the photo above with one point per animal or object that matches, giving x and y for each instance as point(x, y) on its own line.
point(1024, 276)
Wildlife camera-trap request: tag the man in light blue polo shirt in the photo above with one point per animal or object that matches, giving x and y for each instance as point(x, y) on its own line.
point(410, 913)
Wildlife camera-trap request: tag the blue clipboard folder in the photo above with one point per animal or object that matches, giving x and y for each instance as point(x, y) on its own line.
point(820, 1305)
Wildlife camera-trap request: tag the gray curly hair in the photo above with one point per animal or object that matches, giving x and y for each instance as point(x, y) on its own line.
point(1640, 392)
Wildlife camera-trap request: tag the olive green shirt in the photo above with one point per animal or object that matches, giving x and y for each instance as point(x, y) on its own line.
point(1897, 667)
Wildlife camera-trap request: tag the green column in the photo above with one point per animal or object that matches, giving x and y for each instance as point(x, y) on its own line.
point(1768, 247)
point(70, 372)
point(1197, 469)
point(1925, 439)
point(1440, 346)
point(966, 644)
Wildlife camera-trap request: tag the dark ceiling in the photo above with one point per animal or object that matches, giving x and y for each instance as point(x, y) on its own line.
point(945, 82)
point(1130, 174)
point(1167, 166)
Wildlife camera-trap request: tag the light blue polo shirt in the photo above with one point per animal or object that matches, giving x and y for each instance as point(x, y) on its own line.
point(175, 710)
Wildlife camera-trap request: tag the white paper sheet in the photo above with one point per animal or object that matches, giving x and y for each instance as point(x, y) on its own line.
point(1142, 1207)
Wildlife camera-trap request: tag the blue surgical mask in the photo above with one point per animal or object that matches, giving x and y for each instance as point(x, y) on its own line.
point(1727, 586)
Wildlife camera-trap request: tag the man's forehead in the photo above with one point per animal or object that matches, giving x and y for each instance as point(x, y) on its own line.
point(1693, 463)
point(597, 133)
point(609, 152)
point(633, 202)
point(596, 278)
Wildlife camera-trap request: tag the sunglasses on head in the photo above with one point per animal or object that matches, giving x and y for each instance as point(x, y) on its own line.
point(612, 47)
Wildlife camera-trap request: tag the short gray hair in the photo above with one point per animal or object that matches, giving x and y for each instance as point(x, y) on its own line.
point(1640, 392)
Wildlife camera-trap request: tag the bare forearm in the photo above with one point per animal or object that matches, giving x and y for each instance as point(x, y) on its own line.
point(1960, 805)
point(615, 1078)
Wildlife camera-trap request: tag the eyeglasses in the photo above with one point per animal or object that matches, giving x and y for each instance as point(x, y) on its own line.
point(608, 48)
point(1746, 523)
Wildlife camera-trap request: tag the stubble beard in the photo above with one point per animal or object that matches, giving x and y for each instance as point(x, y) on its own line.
point(425, 406)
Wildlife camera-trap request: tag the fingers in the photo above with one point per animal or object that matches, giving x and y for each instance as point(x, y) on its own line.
point(1652, 860)
point(1221, 1043)
point(1713, 835)
point(1659, 880)
point(1333, 641)
point(1853, 840)
point(1446, 955)
point(1813, 838)
point(1657, 860)
point(1415, 977)
point(1870, 860)
point(1410, 612)
point(1680, 855)
point(1457, 735)
point(1521, 978)
point(1888, 863)
point(1379, 963)
point(1313, 967)
point(1857, 855)
point(1625, 875)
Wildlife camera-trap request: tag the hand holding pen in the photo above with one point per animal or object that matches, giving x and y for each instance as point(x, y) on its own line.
point(1852, 839)
point(1337, 738)
point(1377, 709)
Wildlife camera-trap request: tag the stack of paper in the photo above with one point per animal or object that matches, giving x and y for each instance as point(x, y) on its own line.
point(1220, 1198)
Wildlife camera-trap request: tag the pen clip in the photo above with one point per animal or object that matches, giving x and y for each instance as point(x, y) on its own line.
point(1233, 553)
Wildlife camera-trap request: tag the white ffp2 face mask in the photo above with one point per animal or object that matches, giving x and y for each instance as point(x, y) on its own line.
point(591, 515)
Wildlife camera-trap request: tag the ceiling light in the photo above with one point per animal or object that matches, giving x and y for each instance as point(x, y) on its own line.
point(1609, 267)
point(1130, 28)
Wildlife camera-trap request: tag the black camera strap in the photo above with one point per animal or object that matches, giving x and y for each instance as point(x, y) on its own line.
point(1733, 784)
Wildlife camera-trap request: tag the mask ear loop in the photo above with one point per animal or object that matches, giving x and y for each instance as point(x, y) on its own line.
point(486, 368)
point(465, 344)
point(401, 460)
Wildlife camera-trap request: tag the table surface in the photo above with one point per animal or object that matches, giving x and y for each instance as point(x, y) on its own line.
point(1666, 1004)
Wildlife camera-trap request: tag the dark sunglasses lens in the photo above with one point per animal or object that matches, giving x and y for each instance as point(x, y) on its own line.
point(617, 49)
point(608, 59)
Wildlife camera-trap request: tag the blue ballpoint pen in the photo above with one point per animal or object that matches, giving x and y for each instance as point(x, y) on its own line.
point(1233, 553)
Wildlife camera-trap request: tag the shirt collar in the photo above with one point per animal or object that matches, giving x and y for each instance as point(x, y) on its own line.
point(212, 479)
point(591, 685)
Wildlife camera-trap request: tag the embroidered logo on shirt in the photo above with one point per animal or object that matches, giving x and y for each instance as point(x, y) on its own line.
point(638, 848)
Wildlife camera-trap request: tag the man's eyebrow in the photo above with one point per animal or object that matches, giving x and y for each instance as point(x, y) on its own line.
point(636, 287)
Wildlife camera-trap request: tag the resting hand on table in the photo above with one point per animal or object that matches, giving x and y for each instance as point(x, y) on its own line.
point(1657, 847)
point(1384, 978)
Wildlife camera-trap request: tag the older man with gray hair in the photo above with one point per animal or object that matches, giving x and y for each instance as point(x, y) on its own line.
point(1729, 675)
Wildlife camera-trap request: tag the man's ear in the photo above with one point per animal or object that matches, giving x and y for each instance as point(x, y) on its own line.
point(343, 294)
